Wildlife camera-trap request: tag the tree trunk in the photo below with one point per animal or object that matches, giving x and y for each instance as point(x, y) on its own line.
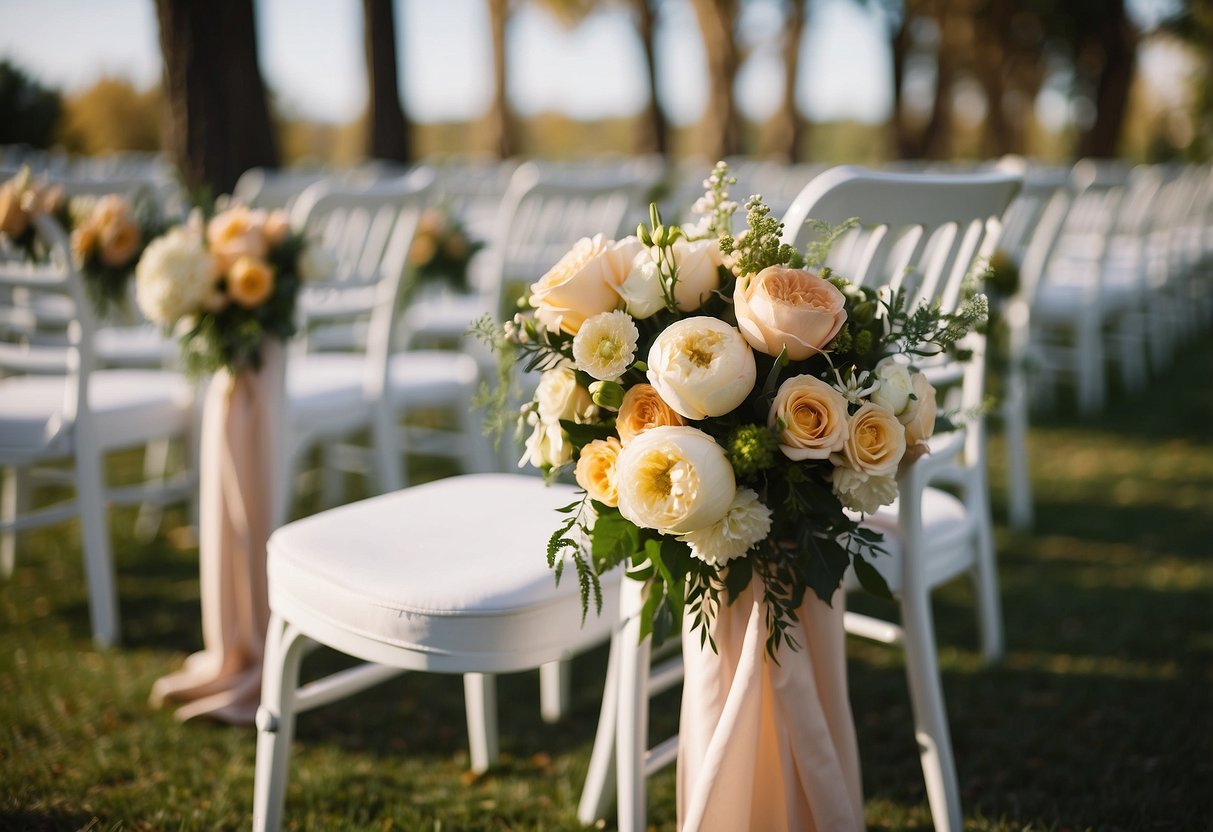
point(788, 128)
point(936, 140)
point(218, 122)
point(902, 139)
point(653, 133)
point(500, 127)
point(387, 129)
point(1118, 41)
point(716, 19)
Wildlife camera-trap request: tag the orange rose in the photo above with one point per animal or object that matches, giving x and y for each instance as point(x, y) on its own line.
point(793, 308)
point(250, 282)
point(118, 242)
point(84, 240)
point(595, 470)
point(642, 409)
point(13, 220)
point(234, 234)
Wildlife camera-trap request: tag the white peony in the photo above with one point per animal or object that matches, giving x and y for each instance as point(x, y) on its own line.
point(175, 277)
point(893, 385)
point(863, 492)
point(559, 396)
point(701, 367)
point(641, 288)
point(605, 346)
point(745, 523)
point(674, 479)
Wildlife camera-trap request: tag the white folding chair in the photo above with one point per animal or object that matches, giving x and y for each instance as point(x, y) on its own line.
point(447, 577)
point(55, 404)
point(344, 378)
point(923, 233)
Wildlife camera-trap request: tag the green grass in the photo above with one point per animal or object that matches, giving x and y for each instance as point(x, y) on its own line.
point(1101, 716)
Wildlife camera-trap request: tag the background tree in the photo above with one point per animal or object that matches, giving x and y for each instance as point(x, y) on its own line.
point(654, 133)
point(110, 116)
point(218, 121)
point(387, 130)
point(788, 129)
point(29, 111)
point(717, 24)
point(502, 140)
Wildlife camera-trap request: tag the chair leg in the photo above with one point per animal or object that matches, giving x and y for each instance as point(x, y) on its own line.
point(599, 785)
point(94, 531)
point(14, 500)
point(930, 716)
point(554, 685)
point(1015, 418)
point(155, 472)
point(1090, 360)
point(985, 583)
point(332, 478)
point(284, 650)
point(632, 728)
point(480, 701)
point(388, 457)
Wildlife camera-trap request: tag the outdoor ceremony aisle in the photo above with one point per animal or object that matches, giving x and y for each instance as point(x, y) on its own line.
point(1098, 717)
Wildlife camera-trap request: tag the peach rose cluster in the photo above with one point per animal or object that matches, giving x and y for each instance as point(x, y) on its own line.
point(24, 197)
point(240, 240)
point(109, 233)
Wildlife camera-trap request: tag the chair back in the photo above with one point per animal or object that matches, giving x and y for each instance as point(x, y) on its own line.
point(368, 232)
point(29, 346)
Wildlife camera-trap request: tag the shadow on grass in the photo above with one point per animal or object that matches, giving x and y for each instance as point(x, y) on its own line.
point(50, 820)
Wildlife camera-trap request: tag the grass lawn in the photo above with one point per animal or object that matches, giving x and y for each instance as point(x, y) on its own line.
point(1100, 717)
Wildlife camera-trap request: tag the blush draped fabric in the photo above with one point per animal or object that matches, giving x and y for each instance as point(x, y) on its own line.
point(240, 426)
point(766, 746)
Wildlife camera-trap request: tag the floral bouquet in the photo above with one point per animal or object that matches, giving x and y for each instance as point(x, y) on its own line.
point(23, 197)
point(225, 285)
point(108, 237)
point(729, 407)
point(442, 250)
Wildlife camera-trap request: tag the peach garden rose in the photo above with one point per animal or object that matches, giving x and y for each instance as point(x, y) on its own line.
point(583, 283)
point(813, 416)
point(782, 307)
point(875, 442)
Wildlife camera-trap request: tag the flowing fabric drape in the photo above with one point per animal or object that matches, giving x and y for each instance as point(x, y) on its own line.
point(764, 745)
point(240, 428)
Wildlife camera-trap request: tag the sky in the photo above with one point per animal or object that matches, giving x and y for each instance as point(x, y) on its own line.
point(311, 56)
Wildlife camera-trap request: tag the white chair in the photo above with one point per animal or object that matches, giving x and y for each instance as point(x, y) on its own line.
point(447, 577)
point(55, 404)
point(346, 379)
point(924, 233)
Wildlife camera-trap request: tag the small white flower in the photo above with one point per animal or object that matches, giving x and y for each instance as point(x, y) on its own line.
point(855, 387)
point(745, 523)
point(893, 385)
point(605, 346)
point(863, 492)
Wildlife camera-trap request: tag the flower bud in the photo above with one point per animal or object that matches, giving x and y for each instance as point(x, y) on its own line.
point(642, 232)
point(607, 394)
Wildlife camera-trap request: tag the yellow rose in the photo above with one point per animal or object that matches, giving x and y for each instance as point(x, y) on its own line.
point(13, 220)
point(250, 282)
point(642, 409)
point(583, 283)
point(781, 307)
point(875, 441)
point(595, 470)
point(919, 415)
point(234, 234)
point(814, 418)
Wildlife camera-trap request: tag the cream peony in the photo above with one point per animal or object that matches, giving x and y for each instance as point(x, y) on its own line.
point(559, 396)
point(175, 277)
point(698, 272)
point(605, 346)
point(861, 492)
point(893, 385)
point(644, 409)
point(813, 416)
point(875, 442)
point(793, 308)
point(701, 367)
point(583, 283)
point(595, 471)
point(674, 479)
point(745, 523)
point(920, 412)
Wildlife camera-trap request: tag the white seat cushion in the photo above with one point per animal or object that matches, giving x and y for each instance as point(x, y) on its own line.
point(432, 378)
point(454, 569)
point(128, 407)
point(947, 531)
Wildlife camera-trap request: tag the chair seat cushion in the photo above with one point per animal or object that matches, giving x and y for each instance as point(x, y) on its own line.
point(453, 569)
point(133, 346)
point(947, 531)
point(128, 407)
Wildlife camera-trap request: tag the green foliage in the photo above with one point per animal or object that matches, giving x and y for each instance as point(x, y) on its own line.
point(761, 245)
point(29, 112)
point(751, 448)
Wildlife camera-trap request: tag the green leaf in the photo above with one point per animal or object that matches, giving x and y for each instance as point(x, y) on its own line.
point(581, 435)
point(737, 577)
point(871, 579)
point(615, 539)
point(827, 564)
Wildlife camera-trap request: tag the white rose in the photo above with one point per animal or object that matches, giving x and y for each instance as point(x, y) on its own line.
point(701, 367)
point(583, 283)
point(641, 289)
point(674, 479)
point(605, 346)
point(863, 492)
point(698, 272)
point(894, 385)
point(175, 277)
point(745, 523)
point(559, 396)
point(919, 415)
